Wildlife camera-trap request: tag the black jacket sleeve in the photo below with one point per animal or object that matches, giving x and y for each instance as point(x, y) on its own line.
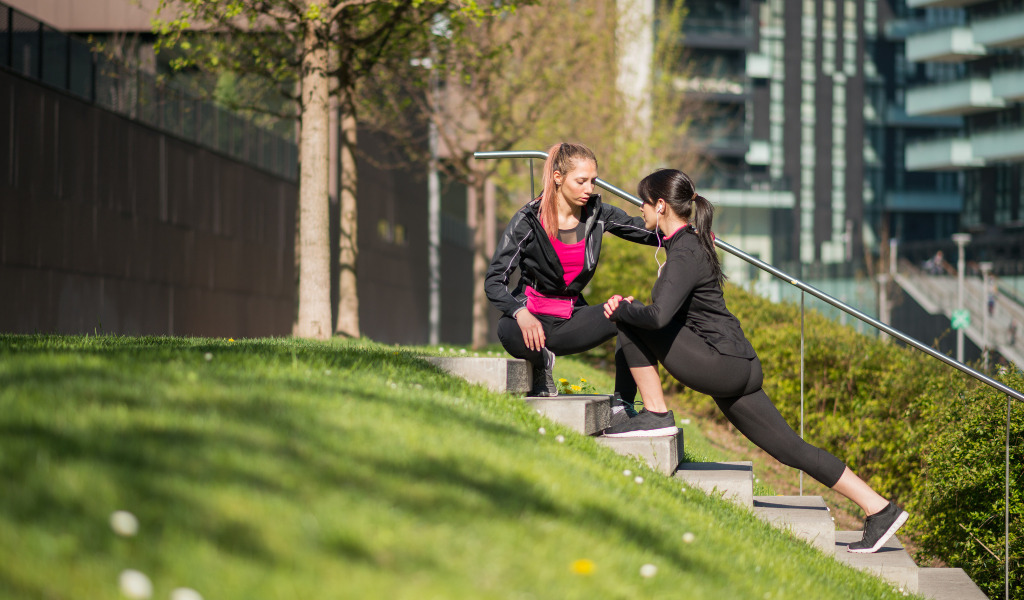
point(680, 275)
point(618, 223)
point(505, 261)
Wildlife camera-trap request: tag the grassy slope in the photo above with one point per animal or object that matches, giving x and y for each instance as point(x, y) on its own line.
point(290, 469)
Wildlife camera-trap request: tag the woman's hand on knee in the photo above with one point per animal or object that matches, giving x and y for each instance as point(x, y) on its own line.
point(533, 331)
point(613, 303)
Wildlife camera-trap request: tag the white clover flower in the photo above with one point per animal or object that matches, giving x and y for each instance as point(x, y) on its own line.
point(208, 356)
point(135, 584)
point(648, 570)
point(639, 479)
point(627, 472)
point(689, 537)
point(560, 438)
point(542, 431)
point(185, 594)
point(124, 523)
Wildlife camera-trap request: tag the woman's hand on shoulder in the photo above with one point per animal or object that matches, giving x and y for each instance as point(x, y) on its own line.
point(613, 304)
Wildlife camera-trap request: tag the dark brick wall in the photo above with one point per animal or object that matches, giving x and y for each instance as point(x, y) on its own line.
point(108, 225)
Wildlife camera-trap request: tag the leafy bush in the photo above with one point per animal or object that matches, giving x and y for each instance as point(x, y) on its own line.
point(962, 500)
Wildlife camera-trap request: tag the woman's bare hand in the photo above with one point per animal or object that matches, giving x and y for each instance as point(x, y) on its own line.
point(533, 331)
point(613, 303)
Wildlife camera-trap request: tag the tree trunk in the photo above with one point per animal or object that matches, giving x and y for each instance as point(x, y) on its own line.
point(475, 196)
point(314, 320)
point(348, 297)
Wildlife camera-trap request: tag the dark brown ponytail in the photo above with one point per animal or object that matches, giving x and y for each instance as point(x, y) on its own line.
point(677, 190)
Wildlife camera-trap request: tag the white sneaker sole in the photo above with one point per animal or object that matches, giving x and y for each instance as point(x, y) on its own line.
point(900, 520)
point(646, 432)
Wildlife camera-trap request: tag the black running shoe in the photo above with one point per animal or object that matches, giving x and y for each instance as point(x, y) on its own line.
point(879, 527)
point(543, 379)
point(621, 406)
point(645, 424)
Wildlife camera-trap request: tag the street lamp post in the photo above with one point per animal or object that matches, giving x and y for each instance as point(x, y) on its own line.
point(986, 270)
point(961, 240)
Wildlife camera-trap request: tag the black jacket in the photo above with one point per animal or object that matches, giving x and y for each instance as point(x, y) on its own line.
point(526, 246)
point(688, 293)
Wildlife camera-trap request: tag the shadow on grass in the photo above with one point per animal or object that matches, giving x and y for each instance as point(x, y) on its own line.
point(255, 425)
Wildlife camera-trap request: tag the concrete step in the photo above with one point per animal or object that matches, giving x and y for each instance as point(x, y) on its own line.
point(587, 414)
point(806, 517)
point(660, 453)
point(734, 480)
point(947, 584)
point(497, 374)
point(891, 562)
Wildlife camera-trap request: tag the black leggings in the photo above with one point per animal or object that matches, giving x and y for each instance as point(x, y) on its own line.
point(735, 384)
point(586, 328)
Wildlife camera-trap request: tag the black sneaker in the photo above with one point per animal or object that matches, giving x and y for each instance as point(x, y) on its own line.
point(879, 527)
point(543, 380)
point(645, 424)
point(621, 406)
point(622, 411)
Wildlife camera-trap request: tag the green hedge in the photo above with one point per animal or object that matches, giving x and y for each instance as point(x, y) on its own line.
point(916, 429)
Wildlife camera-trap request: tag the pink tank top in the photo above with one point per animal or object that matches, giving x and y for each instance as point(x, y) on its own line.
point(571, 256)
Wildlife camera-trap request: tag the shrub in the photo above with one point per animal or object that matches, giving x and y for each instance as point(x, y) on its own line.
point(962, 500)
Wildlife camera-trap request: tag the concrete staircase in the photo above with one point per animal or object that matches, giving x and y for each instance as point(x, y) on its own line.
point(806, 517)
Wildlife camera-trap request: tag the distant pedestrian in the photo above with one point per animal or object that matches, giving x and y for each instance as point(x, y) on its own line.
point(934, 265)
point(1013, 332)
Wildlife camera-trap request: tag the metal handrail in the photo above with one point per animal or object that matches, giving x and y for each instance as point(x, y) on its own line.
point(1010, 392)
point(794, 282)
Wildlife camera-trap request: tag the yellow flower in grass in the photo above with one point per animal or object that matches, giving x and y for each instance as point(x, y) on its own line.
point(563, 380)
point(575, 388)
point(583, 566)
point(582, 380)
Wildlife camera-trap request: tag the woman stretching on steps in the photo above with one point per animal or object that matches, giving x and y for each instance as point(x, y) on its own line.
point(688, 328)
point(555, 242)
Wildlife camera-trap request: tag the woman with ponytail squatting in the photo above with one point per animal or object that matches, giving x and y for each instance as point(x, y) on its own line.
point(555, 242)
point(689, 330)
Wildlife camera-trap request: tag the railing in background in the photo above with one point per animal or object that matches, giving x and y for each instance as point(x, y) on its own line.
point(803, 287)
point(37, 51)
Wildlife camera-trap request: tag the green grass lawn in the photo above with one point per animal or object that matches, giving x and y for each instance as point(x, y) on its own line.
point(292, 469)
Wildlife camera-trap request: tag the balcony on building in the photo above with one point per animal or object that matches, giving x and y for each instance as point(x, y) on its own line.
point(942, 3)
point(999, 145)
point(759, 66)
point(953, 98)
point(759, 153)
point(718, 31)
point(1003, 31)
point(896, 116)
point(924, 201)
point(947, 154)
point(1008, 84)
point(952, 44)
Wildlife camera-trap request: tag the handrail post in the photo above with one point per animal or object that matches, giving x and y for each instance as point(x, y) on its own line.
point(1006, 506)
point(802, 296)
